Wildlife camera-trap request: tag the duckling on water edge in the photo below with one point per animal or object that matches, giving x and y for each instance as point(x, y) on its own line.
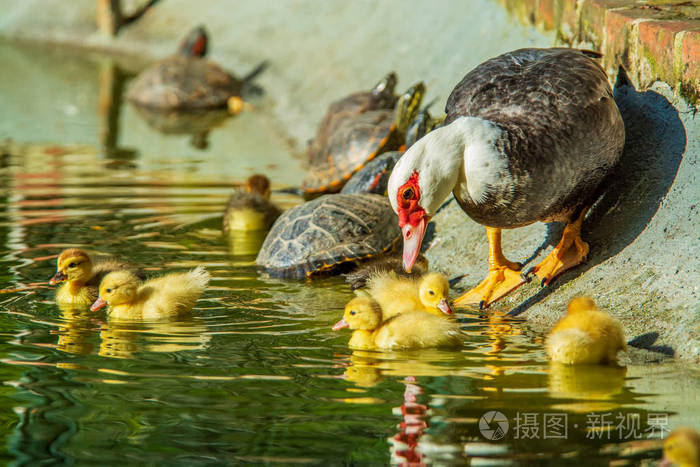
point(585, 335)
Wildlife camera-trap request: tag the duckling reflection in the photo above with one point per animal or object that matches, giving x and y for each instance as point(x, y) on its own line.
point(122, 339)
point(592, 387)
point(75, 334)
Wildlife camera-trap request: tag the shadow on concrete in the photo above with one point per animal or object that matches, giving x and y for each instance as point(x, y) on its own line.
point(646, 341)
point(654, 146)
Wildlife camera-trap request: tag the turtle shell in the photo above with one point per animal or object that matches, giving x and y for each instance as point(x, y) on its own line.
point(185, 83)
point(374, 176)
point(354, 142)
point(321, 234)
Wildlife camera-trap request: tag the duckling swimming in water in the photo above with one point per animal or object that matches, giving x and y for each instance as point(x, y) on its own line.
point(251, 209)
point(161, 297)
point(396, 295)
point(585, 335)
point(408, 330)
point(682, 448)
point(81, 276)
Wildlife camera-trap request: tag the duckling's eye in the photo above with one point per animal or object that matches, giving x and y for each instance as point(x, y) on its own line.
point(108, 290)
point(72, 265)
point(353, 312)
point(407, 194)
point(431, 292)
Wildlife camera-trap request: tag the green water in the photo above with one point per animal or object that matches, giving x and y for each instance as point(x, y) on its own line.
point(255, 375)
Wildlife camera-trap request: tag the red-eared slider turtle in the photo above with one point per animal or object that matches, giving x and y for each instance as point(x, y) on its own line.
point(322, 234)
point(374, 176)
point(380, 96)
point(357, 140)
point(187, 80)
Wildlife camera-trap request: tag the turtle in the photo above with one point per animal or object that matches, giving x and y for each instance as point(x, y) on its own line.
point(320, 235)
point(187, 80)
point(381, 96)
point(356, 140)
point(374, 176)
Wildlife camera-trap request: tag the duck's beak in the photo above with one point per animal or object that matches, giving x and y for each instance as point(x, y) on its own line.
point(444, 306)
point(340, 325)
point(665, 462)
point(60, 276)
point(99, 303)
point(412, 239)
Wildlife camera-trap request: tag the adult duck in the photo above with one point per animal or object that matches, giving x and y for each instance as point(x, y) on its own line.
point(529, 136)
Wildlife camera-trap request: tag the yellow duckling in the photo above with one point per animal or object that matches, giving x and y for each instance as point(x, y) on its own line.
point(682, 448)
point(396, 294)
point(585, 335)
point(382, 265)
point(251, 209)
point(161, 297)
point(81, 276)
point(408, 330)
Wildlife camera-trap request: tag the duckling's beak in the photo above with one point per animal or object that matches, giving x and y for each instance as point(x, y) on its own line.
point(340, 325)
point(444, 306)
point(60, 276)
point(666, 462)
point(412, 239)
point(99, 303)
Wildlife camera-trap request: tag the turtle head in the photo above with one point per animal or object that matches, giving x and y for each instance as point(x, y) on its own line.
point(383, 91)
point(421, 125)
point(195, 43)
point(407, 106)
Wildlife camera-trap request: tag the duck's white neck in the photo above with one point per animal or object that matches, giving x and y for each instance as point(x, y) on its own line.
point(465, 147)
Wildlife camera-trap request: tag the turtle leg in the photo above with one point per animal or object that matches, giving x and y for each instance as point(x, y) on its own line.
point(569, 252)
point(503, 276)
point(237, 105)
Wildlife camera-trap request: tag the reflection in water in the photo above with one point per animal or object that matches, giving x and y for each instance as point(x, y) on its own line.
point(404, 445)
point(198, 124)
point(245, 242)
point(76, 331)
point(123, 339)
point(592, 387)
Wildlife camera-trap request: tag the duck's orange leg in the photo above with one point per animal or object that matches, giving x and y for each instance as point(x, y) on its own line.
point(571, 251)
point(503, 277)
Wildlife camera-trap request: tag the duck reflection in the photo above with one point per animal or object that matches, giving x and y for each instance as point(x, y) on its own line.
point(404, 444)
point(589, 387)
point(123, 339)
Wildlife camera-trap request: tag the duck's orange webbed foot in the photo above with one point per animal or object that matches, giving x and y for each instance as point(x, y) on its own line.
point(570, 252)
point(504, 276)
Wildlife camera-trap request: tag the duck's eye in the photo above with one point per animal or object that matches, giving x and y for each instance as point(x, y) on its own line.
point(431, 292)
point(407, 194)
point(108, 290)
point(72, 265)
point(353, 312)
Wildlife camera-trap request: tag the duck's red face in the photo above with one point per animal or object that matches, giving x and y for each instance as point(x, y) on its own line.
point(412, 219)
